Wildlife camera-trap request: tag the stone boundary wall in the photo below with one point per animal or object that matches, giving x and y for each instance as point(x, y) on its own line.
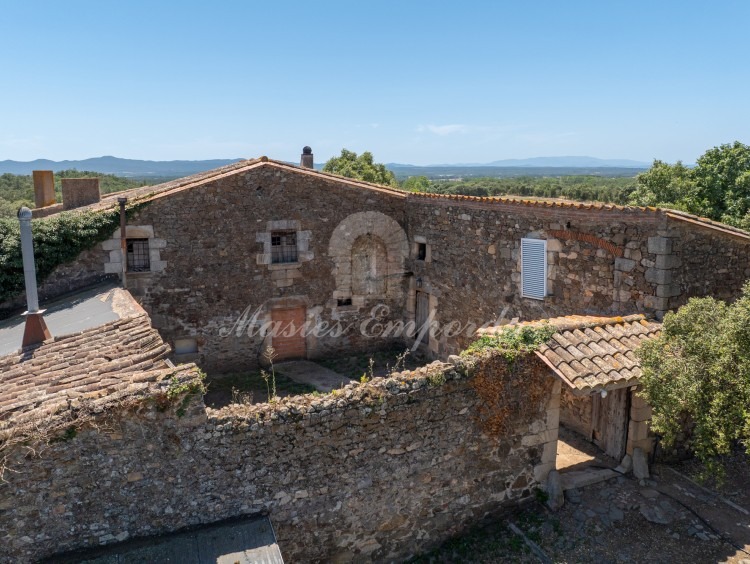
point(374, 472)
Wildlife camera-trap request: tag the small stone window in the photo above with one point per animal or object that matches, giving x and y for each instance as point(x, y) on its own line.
point(185, 346)
point(143, 251)
point(421, 251)
point(138, 255)
point(283, 247)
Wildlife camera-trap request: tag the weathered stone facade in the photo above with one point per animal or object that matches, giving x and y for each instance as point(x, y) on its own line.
point(360, 246)
point(218, 263)
point(475, 271)
point(704, 261)
point(376, 471)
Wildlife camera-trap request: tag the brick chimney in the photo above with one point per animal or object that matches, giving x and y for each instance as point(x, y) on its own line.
point(44, 188)
point(77, 192)
point(307, 158)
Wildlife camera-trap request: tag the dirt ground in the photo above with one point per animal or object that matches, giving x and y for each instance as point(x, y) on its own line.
point(666, 519)
point(250, 386)
point(377, 364)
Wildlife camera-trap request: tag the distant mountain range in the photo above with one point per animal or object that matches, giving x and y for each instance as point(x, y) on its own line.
point(547, 162)
point(537, 166)
point(117, 166)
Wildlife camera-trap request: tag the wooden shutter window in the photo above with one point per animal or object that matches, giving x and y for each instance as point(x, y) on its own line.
point(533, 268)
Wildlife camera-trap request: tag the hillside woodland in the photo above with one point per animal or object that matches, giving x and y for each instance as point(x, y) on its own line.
point(18, 190)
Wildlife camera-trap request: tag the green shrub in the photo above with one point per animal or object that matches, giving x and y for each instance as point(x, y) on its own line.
point(513, 340)
point(698, 371)
point(57, 240)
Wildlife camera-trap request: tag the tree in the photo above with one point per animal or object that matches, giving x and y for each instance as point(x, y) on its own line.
point(663, 185)
point(360, 167)
point(718, 187)
point(416, 184)
point(697, 372)
point(722, 175)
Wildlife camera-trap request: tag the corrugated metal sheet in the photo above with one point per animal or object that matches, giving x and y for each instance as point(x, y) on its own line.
point(246, 541)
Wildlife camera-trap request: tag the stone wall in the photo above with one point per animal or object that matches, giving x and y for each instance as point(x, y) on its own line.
point(704, 262)
point(359, 247)
point(575, 412)
point(377, 471)
point(596, 261)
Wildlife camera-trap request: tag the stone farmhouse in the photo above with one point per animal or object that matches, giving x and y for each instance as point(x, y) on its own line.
point(316, 248)
point(379, 471)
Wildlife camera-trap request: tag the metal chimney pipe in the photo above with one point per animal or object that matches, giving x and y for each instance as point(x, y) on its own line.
point(122, 200)
point(27, 251)
point(36, 331)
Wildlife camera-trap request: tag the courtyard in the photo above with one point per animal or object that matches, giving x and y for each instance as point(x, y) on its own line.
point(669, 518)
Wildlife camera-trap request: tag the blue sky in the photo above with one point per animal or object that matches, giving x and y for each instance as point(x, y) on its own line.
point(413, 82)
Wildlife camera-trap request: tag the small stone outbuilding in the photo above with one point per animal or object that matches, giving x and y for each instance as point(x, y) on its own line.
point(594, 358)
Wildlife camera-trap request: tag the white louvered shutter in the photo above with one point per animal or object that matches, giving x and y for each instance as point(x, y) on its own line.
point(533, 268)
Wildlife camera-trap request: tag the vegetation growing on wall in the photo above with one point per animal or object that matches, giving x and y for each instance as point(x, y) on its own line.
point(512, 395)
point(507, 399)
point(513, 340)
point(57, 240)
point(698, 370)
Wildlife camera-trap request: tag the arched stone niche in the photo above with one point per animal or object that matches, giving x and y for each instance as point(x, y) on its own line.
point(369, 250)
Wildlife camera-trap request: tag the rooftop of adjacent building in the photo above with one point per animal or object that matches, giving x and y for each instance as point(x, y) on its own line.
point(592, 354)
point(103, 351)
point(74, 313)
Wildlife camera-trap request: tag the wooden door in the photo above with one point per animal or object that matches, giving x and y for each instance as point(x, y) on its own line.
point(288, 339)
point(609, 422)
point(422, 314)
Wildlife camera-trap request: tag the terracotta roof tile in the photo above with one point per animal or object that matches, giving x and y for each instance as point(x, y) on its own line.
point(543, 203)
point(147, 192)
point(605, 351)
point(594, 353)
point(116, 359)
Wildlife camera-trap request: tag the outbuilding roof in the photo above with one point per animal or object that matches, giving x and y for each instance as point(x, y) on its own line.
point(98, 366)
point(597, 354)
point(591, 353)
